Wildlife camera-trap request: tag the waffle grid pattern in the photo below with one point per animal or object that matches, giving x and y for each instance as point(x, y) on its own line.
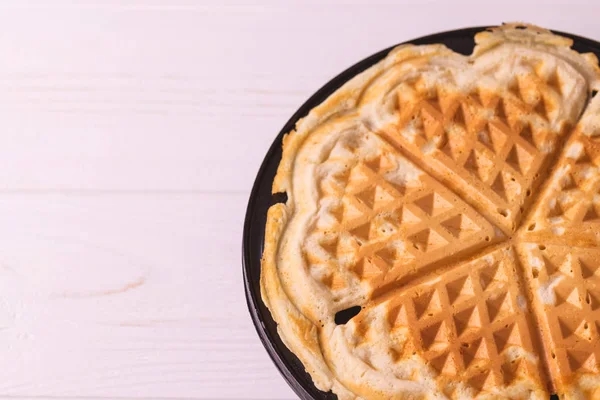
point(386, 226)
point(571, 204)
point(473, 323)
point(464, 326)
point(566, 285)
point(482, 140)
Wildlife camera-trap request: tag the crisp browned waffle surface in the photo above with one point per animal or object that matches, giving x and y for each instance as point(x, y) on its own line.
point(456, 200)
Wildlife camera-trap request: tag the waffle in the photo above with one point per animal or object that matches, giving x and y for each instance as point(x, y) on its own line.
point(452, 203)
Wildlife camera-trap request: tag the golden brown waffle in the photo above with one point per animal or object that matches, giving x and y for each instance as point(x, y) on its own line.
point(566, 297)
point(436, 192)
point(379, 225)
point(469, 326)
point(568, 210)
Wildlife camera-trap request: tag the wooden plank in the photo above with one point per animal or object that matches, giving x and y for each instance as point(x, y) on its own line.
point(127, 295)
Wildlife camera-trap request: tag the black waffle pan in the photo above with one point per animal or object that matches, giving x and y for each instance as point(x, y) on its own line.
point(461, 41)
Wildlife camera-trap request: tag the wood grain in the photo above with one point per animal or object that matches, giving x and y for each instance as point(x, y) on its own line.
point(127, 294)
point(131, 135)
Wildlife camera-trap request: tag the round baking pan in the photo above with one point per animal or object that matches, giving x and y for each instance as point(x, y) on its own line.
point(461, 41)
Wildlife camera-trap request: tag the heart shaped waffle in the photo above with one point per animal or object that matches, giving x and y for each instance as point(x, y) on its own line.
point(455, 199)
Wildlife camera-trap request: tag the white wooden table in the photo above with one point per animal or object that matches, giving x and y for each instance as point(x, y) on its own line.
point(130, 135)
